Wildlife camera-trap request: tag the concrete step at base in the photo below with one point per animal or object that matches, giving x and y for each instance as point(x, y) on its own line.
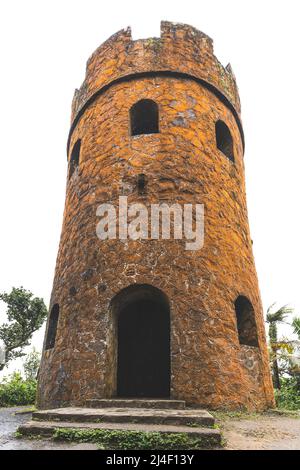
point(135, 403)
point(127, 415)
point(209, 437)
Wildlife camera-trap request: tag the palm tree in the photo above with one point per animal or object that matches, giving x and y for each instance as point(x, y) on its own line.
point(273, 318)
point(296, 326)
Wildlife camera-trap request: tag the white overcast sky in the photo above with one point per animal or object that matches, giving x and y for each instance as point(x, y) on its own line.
point(44, 46)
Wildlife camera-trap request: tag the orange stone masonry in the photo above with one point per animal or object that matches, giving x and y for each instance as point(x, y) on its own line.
point(182, 164)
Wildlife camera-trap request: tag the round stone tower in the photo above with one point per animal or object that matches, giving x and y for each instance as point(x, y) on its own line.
point(156, 121)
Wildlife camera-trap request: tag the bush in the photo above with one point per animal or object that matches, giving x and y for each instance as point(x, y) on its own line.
point(288, 397)
point(14, 391)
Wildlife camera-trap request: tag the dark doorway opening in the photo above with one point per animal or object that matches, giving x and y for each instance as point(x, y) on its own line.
point(143, 362)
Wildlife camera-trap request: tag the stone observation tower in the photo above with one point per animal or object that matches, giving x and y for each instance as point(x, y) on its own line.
point(156, 120)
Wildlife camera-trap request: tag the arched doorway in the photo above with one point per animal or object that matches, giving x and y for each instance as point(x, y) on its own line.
point(143, 343)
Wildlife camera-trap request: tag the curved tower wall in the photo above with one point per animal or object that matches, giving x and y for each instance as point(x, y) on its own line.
point(181, 164)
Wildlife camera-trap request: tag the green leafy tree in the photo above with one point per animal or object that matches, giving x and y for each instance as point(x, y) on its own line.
point(25, 315)
point(273, 319)
point(31, 364)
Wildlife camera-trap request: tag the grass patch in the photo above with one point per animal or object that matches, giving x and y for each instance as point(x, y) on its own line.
point(24, 411)
point(283, 412)
point(222, 416)
point(129, 440)
point(32, 437)
point(227, 415)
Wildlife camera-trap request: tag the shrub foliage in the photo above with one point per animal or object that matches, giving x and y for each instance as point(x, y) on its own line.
point(15, 391)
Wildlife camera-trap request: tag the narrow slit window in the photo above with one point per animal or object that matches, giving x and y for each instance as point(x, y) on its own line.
point(224, 140)
point(141, 183)
point(246, 324)
point(74, 159)
point(144, 118)
point(52, 327)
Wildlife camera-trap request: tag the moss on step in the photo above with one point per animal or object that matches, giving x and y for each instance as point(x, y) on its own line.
point(108, 439)
point(24, 411)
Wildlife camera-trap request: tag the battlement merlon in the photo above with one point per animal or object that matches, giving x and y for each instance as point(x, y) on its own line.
point(180, 49)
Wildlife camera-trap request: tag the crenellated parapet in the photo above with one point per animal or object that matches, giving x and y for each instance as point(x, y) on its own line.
point(181, 49)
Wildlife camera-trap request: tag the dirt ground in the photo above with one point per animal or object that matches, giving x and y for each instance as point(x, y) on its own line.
point(261, 432)
point(249, 432)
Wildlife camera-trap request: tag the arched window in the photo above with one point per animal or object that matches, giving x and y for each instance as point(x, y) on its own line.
point(74, 159)
point(144, 117)
point(245, 319)
point(52, 327)
point(224, 140)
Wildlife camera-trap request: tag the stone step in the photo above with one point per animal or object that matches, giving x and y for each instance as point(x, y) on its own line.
point(127, 415)
point(135, 403)
point(208, 437)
